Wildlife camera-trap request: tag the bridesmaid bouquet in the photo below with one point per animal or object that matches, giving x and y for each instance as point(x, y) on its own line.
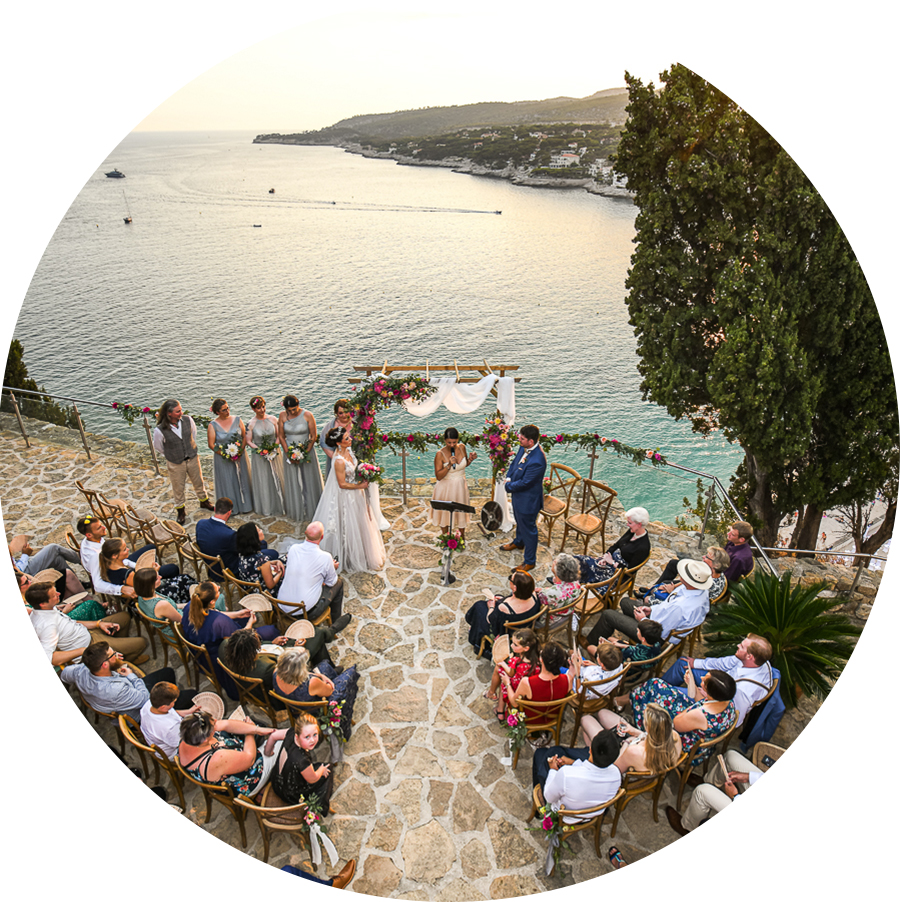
point(229, 450)
point(297, 453)
point(368, 472)
point(268, 447)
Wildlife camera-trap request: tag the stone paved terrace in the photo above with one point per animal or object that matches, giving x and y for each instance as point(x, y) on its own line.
point(422, 799)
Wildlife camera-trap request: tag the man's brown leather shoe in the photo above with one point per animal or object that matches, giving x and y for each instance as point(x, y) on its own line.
point(524, 568)
point(675, 821)
point(511, 546)
point(346, 875)
point(206, 505)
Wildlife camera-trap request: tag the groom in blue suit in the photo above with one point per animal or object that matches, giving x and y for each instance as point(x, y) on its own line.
point(525, 484)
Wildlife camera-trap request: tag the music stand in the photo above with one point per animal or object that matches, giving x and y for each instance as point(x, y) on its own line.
point(452, 507)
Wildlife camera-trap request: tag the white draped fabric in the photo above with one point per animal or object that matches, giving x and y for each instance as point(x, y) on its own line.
point(460, 397)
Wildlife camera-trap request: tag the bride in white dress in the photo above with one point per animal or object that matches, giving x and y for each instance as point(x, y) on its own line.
point(351, 530)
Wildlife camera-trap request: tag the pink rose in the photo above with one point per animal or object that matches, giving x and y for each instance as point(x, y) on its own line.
point(559, 438)
point(511, 720)
point(452, 543)
point(547, 823)
point(410, 438)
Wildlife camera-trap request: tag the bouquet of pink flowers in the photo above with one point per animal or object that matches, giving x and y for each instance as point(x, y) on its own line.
point(553, 828)
point(268, 447)
point(297, 454)
point(448, 541)
point(500, 443)
point(229, 450)
point(515, 728)
point(330, 720)
point(368, 472)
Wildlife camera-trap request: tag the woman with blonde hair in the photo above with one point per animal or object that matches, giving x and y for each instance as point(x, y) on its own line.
point(655, 749)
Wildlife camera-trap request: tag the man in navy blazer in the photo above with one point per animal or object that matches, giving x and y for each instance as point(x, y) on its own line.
point(525, 484)
point(216, 537)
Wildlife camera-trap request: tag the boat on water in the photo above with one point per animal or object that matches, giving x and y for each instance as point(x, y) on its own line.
point(127, 216)
point(115, 174)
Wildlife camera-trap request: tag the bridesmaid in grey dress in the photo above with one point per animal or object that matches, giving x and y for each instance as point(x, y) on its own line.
point(232, 480)
point(302, 482)
point(341, 418)
point(268, 478)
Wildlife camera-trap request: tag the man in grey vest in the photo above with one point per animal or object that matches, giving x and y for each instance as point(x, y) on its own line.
point(175, 437)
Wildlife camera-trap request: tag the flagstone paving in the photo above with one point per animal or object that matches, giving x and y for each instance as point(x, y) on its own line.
point(422, 799)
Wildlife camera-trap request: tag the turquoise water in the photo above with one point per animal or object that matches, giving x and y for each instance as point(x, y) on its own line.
point(354, 262)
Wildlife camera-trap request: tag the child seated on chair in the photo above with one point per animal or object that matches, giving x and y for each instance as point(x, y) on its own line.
point(651, 644)
point(161, 721)
point(525, 661)
point(609, 663)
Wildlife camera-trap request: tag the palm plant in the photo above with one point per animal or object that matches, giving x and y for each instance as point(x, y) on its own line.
point(809, 645)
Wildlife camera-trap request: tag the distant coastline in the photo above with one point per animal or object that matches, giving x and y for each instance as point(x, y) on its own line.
point(517, 175)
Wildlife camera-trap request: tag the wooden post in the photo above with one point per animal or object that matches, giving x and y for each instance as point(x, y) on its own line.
point(709, 501)
point(150, 442)
point(403, 454)
point(81, 430)
point(19, 418)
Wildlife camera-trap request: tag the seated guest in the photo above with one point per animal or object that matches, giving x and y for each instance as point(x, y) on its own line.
point(740, 557)
point(226, 752)
point(525, 661)
point(565, 585)
point(716, 559)
point(94, 531)
point(296, 776)
point(547, 686)
point(240, 652)
point(656, 749)
point(51, 557)
point(117, 568)
point(292, 679)
point(254, 565)
point(650, 645)
point(609, 664)
point(204, 624)
point(631, 548)
point(64, 639)
point(311, 577)
point(161, 721)
point(216, 538)
point(749, 667)
point(489, 617)
point(577, 779)
point(704, 712)
point(707, 799)
point(110, 686)
point(685, 608)
point(146, 584)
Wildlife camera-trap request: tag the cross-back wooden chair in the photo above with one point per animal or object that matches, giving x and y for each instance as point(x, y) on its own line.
point(215, 567)
point(252, 692)
point(593, 603)
point(588, 818)
point(241, 588)
point(559, 497)
point(155, 533)
point(635, 783)
point(133, 736)
point(157, 628)
point(625, 585)
point(759, 703)
point(563, 615)
point(112, 716)
point(511, 627)
point(222, 793)
point(589, 701)
point(699, 756)
point(641, 671)
point(201, 659)
point(108, 512)
point(273, 815)
point(131, 527)
point(543, 717)
point(596, 501)
point(295, 708)
point(72, 540)
point(286, 612)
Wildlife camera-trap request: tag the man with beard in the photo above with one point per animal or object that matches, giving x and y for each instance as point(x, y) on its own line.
point(110, 686)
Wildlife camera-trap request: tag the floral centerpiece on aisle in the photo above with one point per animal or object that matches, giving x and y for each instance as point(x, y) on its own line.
point(268, 447)
point(515, 729)
point(368, 472)
point(330, 720)
point(297, 453)
point(448, 542)
point(229, 450)
point(313, 819)
point(378, 393)
point(553, 828)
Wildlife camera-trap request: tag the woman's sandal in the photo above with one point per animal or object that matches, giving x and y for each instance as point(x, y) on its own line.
point(491, 696)
point(615, 859)
point(500, 715)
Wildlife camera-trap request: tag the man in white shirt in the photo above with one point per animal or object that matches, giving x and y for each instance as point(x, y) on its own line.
point(64, 639)
point(311, 576)
point(749, 667)
point(578, 778)
point(93, 531)
point(708, 800)
point(161, 721)
point(684, 608)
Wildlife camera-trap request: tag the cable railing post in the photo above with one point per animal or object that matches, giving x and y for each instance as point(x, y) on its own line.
point(19, 418)
point(150, 442)
point(709, 500)
point(87, 450)
point(403, 464)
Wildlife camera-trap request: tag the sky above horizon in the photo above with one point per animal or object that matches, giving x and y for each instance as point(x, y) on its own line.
point(320, 72)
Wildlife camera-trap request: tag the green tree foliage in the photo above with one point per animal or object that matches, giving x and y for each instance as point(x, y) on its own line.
point(751, 312)
point(810, 645)
point(44, 408)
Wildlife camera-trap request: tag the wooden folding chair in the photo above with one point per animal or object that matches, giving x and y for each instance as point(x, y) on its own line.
point(559, 497)
point(595, 504)
point(156, 628)
point(109, 512)
point(563, 614)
